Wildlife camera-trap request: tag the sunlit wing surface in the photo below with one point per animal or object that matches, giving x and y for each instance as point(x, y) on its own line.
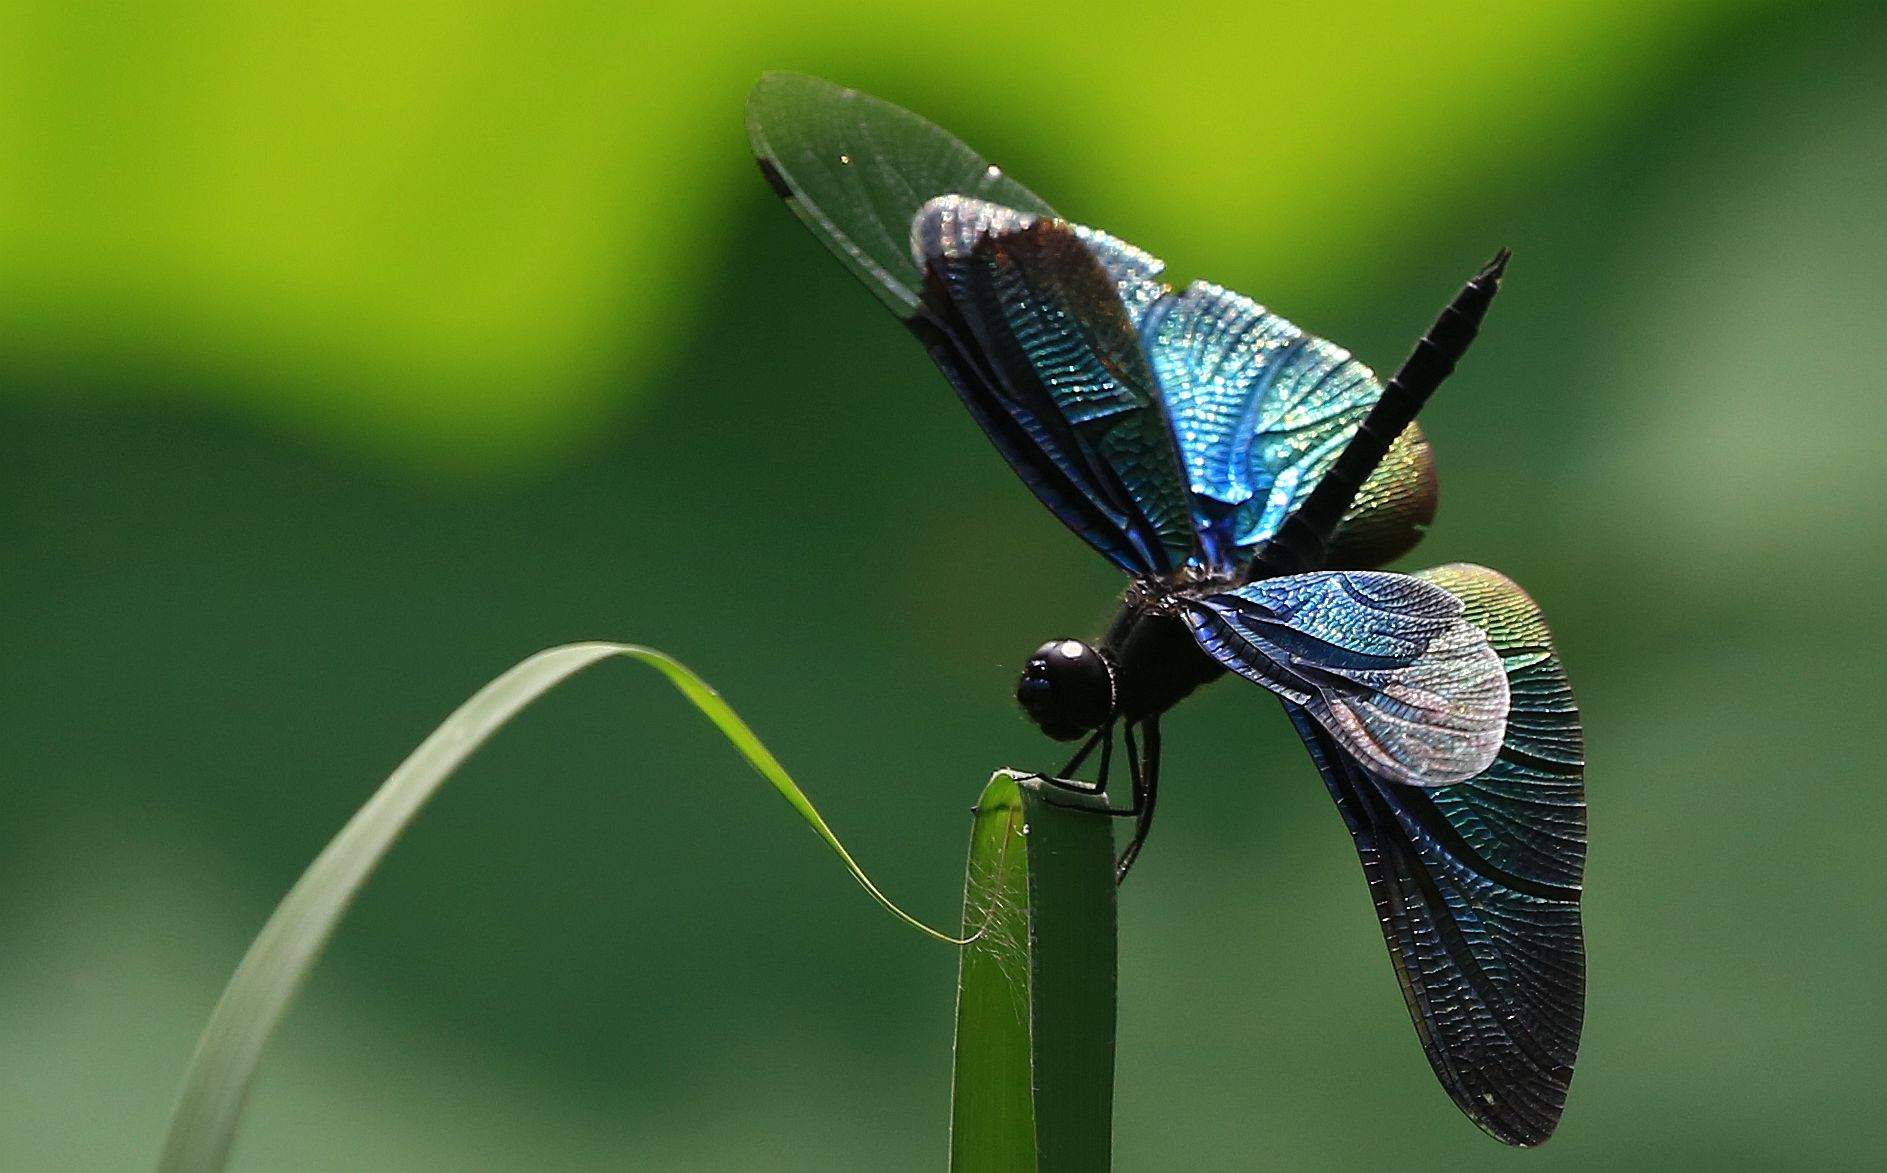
point(1260, 409)
point(1256, 408)
point(1477, 884)
point(1387, 664)
point(1032, 312)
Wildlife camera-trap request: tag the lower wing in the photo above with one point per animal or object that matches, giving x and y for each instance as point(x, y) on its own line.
point(1477, 884)
point(1388, 664)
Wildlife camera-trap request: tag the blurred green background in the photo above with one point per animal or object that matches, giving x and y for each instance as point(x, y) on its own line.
point(348, 355)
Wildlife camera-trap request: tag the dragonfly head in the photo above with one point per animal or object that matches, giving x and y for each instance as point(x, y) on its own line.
point(1067, 688)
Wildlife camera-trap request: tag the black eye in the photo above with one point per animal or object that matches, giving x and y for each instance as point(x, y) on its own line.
point(1067, 688)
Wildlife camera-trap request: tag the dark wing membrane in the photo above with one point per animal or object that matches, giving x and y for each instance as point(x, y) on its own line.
point(1387, 664)
point(856, 169)
point(1477, 884)
point(1527, 812)
point(1392, 508)
point(1029, 322)
point(1262, 410)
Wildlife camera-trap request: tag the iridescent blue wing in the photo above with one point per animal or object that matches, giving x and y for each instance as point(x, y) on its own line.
point(1036, 319)
point(1261, 411)
point(1050, 369)
point(1477, 884)
point(1387, 664)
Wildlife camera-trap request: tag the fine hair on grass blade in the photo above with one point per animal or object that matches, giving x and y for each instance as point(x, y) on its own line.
point(1032, 1088)
point(216, 1085)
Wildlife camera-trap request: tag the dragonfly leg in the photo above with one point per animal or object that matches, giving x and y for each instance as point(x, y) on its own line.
point(1104, 738)
point(1065, 779)
point(1144, 769)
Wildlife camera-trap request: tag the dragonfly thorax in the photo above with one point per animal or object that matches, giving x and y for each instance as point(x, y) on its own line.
point(1157, 662)
point(1068, 689)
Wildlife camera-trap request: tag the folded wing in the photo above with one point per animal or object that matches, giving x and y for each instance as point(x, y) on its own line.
point(1259, 407)
point(1033, 330)
point(1261, 410)
point(860, 172)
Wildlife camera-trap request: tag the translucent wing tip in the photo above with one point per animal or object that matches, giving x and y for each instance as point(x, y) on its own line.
point(759, 97)
point(770, 100)
point(775, 82)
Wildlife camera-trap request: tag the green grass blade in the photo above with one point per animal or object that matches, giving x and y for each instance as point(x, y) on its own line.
point(1073, 967)
point(222, 1069)
point(992, 1117)
point(1033, 1084)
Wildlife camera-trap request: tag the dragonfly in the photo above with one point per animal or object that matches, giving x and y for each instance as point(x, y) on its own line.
point(1250, 479)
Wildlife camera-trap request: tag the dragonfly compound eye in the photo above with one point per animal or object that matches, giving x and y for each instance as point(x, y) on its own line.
point(1067, 688)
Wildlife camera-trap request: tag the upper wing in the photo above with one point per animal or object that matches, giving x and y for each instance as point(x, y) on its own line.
point(1035, 333)
point(856, 169)
point(1261, 411)
point(1477, 884)
point(1255, 410)
point(1387, 664)
point(1024, 313)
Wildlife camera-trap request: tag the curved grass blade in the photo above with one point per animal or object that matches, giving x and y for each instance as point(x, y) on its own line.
point(222, 1069)
point(1033, 1084)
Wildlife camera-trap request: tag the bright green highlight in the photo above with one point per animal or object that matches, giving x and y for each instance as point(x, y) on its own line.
point(465, 234)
